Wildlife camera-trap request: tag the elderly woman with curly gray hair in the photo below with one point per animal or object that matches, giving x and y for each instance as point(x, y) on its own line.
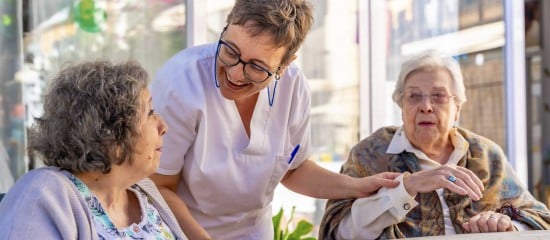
point(452, 180)
point(101, 139)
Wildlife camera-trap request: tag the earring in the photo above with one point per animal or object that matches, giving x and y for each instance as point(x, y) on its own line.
point(278, 75)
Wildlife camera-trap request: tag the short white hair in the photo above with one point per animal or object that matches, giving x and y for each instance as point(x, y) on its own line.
point(431, 60)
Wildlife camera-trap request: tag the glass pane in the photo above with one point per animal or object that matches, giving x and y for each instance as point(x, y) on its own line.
point(148, 31)
point(62, 31)
point(217, 14)
point(535, 97)
point(13, 162)
point(329, 59)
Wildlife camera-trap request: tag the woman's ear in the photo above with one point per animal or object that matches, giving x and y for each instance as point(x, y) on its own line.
point(281, 70)
point(457, 115)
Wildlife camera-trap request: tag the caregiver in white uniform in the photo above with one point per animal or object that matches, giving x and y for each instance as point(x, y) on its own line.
point(238, 111)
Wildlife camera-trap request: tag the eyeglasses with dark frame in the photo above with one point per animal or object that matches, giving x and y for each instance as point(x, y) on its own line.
point(230, 57)
point(415, 97)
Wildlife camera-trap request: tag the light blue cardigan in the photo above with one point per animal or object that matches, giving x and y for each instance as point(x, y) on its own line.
point(44, 204)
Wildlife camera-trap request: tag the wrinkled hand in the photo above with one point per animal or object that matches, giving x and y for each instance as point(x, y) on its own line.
point(467, 183)
point(370, 185)
point(489, 221)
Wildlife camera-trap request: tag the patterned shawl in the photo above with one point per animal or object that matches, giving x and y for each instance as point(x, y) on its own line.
point(503, 191)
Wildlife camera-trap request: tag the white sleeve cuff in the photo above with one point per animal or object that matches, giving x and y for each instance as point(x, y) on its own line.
point(369, 216)
point(402, 202)
point(521, 226)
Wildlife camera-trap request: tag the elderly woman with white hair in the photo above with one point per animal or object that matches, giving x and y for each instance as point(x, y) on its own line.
point(453, 181)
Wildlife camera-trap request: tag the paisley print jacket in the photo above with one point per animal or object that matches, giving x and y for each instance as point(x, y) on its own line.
point(503, 191)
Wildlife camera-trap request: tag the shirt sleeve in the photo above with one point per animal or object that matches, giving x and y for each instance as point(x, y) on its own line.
point(369, 216)
point(43, 206)
point(520, 226)
point(300, 120)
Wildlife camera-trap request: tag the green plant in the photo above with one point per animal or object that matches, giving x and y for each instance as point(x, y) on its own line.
point(298, 233)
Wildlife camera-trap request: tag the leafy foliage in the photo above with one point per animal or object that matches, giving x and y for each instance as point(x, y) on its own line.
point(299, 232)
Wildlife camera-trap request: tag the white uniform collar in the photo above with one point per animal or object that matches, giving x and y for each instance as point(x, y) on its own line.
point(400, 143)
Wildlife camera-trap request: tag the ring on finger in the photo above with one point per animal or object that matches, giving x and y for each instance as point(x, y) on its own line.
point(493, 217)
point(451, 178)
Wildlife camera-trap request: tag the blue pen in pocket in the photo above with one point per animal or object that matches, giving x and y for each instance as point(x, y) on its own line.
point(293, 153)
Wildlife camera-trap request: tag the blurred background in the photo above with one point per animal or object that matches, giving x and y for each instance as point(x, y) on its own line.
point(351, 59)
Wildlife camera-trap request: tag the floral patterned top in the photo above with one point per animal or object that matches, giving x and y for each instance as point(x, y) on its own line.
point(151, 225)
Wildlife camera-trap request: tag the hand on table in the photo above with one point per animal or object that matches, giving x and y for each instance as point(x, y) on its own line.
point(489, 221)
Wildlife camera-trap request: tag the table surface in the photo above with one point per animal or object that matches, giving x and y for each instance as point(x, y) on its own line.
point(531, 235)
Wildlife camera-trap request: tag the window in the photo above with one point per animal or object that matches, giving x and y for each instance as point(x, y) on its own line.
point(60, 31)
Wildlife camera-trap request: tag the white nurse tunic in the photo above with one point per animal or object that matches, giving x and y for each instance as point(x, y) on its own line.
point(227, 179)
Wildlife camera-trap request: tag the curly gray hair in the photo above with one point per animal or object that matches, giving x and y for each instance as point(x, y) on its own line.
point(431, 60)
point(90, 116)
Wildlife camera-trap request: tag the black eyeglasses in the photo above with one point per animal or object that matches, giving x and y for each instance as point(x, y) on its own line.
point(414, 97)
point(230, 57)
